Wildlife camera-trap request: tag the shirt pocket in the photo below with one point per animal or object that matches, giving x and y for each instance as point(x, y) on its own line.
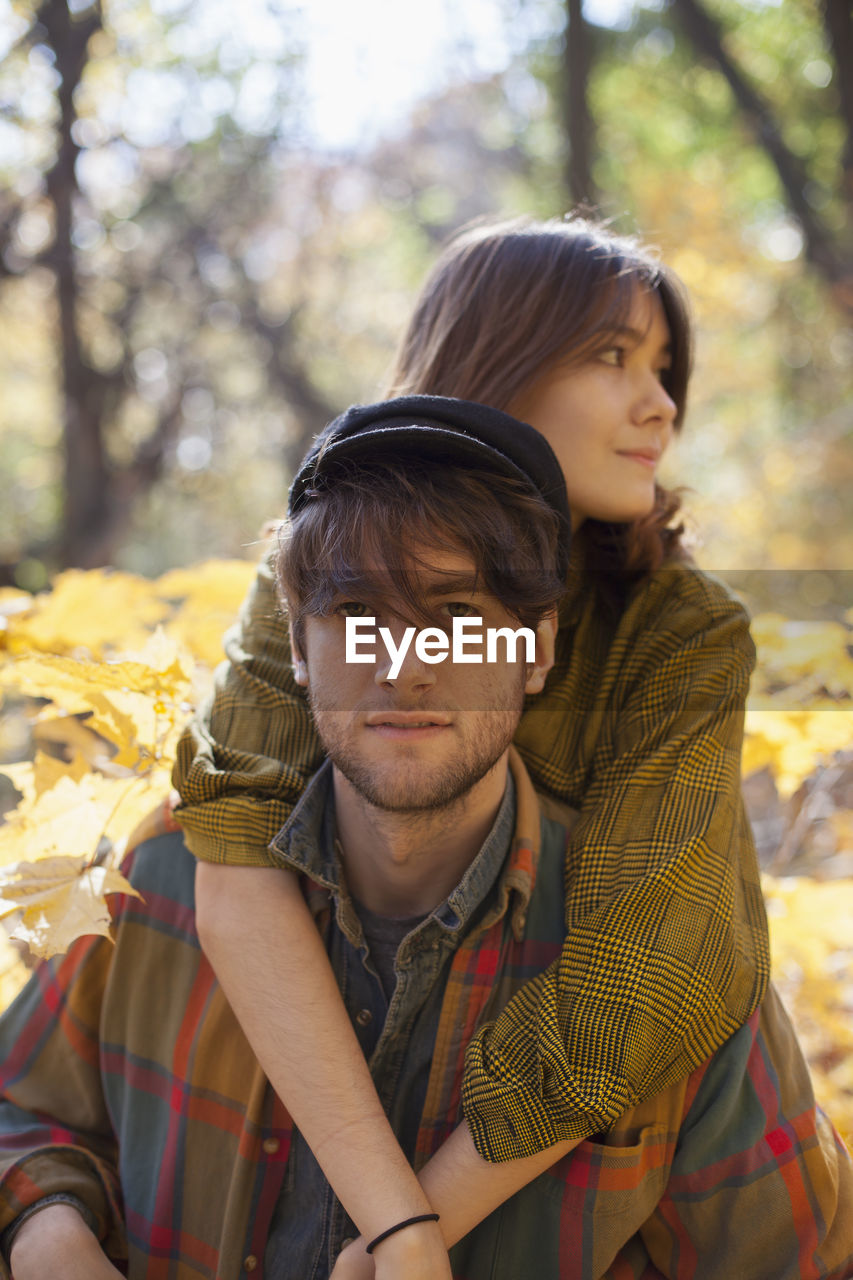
point(572, 1222)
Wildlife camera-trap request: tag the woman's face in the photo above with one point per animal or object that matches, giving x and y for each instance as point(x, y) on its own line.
point(609, 419)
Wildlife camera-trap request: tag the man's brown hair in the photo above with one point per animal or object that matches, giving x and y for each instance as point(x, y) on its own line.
point(370, 529)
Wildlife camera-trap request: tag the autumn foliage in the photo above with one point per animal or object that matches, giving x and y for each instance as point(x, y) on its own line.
point(99, 675)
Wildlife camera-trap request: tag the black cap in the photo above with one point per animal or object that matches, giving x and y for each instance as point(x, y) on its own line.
point(448, 431)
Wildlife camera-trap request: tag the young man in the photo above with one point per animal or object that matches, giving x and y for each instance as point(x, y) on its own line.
point(137, 1123)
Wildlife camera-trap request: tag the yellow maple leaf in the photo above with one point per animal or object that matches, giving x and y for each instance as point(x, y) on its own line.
point(210, 595)
point(73, 816)
point(60, 899)
point(93, 610)
point(71, 682)
point(138, 705)
point(215, 584)
point(64, 819)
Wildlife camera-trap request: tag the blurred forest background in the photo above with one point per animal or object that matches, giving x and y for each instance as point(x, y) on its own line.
point(192, 284)
point(195, 276)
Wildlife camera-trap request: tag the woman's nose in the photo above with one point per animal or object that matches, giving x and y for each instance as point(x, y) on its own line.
point(655, 403)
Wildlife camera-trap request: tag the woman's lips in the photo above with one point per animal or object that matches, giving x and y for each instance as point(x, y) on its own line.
point(649, 460)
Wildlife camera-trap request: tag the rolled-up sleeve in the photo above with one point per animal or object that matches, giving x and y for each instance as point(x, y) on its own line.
point(245, 759)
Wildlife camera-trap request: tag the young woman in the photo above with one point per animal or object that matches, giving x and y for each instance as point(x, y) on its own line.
point(585, 336)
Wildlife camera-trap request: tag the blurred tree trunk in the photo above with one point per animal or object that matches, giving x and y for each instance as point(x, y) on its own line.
point(86, 488)
point(577, 118)
point(99, 492)
point(823, 248)
point(838, 24)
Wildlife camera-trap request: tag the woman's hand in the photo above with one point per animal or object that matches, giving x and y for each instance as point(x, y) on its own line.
point(57, 1242)
point(415, 1253)
point(156, 823)
point(354, 1263)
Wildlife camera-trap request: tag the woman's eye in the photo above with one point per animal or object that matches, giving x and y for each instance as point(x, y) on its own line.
point(614, 356)
point(353, 609)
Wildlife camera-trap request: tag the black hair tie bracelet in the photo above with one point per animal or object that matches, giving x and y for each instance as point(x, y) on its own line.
point(408, 1222)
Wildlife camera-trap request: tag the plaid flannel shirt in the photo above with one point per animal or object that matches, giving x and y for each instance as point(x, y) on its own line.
point(640, 728)
point(127, 1083)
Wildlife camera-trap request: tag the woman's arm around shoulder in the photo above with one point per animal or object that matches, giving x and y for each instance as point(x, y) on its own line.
point(666, 951)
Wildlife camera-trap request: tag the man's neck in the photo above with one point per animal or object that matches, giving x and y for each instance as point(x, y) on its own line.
point(406, 863)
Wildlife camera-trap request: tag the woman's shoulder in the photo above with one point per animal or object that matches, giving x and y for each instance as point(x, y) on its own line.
point(681, 587)
point(682, 604)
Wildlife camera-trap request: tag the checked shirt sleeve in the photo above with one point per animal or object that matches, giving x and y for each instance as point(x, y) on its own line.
point(55, 1135)
point(245, 760)
point(666, 953)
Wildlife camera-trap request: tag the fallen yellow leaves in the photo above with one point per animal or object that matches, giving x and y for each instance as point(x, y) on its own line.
point(811, 937)
point(85, 610)
point(800, 709)
point(106, 699)
point(794, 742)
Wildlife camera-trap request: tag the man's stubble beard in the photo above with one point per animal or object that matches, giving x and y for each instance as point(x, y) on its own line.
point(411, 786)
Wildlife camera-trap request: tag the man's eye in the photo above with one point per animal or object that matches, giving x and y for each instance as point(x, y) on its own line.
point(353, 609)
point(460, 609)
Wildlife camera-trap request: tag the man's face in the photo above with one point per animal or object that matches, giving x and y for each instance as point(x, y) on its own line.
point(421, 739)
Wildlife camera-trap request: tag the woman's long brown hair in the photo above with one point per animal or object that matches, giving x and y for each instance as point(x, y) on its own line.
point(508, 300)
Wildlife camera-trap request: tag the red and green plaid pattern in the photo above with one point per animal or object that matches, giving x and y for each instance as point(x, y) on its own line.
point(128, 1082)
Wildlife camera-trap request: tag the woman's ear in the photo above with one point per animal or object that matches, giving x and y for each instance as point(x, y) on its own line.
point(546, 634)
point(300, 666)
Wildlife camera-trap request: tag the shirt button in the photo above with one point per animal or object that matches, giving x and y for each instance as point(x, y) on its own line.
point(364, 1017)
point(271, 1145)
point(250, 1263)
point(347, 1240)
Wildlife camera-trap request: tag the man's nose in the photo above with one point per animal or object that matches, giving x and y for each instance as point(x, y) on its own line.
point(398, 664)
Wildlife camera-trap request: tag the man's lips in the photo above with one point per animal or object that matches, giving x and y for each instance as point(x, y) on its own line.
point(407, 719)
point(407, 725)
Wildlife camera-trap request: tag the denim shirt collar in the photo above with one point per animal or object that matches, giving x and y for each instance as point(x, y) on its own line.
point(307, 843)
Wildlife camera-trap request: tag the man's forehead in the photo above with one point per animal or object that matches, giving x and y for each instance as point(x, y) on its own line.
point(433, 570)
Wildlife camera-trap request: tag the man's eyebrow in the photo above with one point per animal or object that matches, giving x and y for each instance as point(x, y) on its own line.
point(445, 584)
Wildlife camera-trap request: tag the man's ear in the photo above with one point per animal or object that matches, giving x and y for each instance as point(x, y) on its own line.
point(546, 634)
point(300, 666)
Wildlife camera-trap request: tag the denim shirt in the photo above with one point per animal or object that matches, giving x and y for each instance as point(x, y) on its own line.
point(309, 1226)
